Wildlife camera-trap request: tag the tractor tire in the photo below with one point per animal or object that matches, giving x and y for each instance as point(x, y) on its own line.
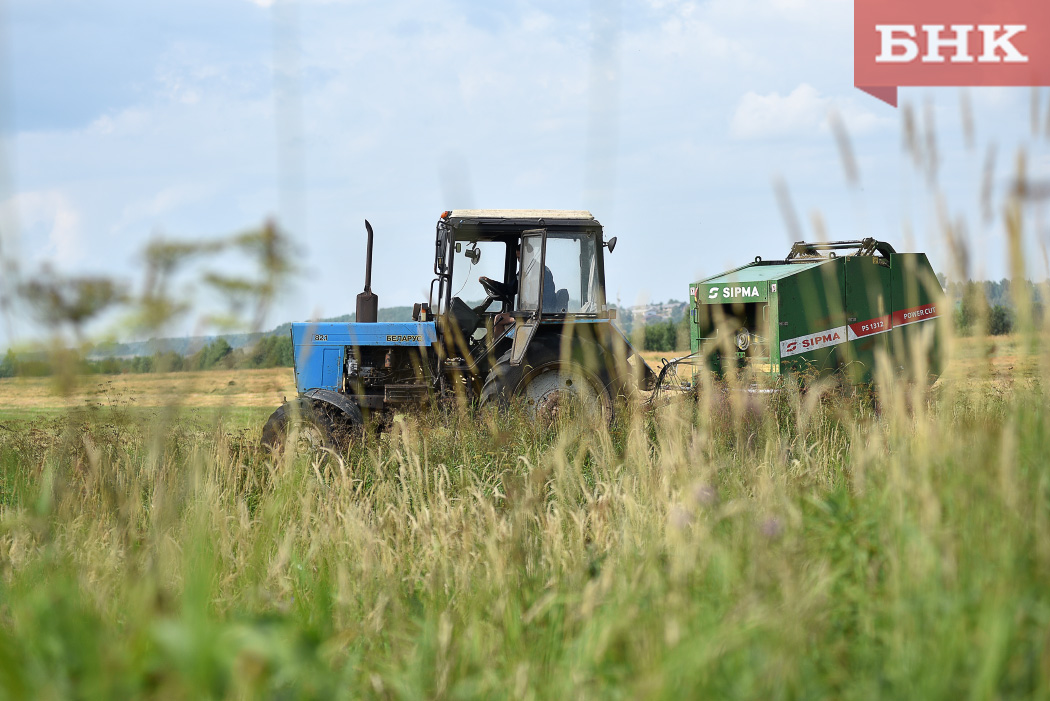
point(316, 425)
point(548, 386)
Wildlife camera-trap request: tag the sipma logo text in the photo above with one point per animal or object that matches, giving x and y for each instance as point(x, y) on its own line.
point(822, 340)
point(732, 292)
point(813, 341)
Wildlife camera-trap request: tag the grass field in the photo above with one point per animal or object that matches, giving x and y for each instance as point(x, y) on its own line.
point(217, 388)
point(996, 361)
point(801, 548)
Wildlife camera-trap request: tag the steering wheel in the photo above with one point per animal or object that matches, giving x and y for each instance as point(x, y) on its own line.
point(496, 289)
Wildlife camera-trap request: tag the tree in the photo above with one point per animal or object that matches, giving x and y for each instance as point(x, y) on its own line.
point(660, 336)
point(667, 335)
point(9, 365)
point(283, 352)
point(273, 351)
point(168, 362)
point(214, 353)
point(1000, 321)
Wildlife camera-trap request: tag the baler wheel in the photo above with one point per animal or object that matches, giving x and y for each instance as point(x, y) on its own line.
point(743, 339)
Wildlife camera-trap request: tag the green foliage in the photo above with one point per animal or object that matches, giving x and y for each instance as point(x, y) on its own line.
point(270, 352)
point(667, 335)
point(1000, 321)
point(989, 307)
point(25, 365)
point(802, 549)
point(74, 301)
point(165, 362)
point(213, 355)
point(660, 336)
point(9, 365)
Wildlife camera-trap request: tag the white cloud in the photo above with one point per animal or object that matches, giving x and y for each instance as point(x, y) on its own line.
point(763, 116)
point(806, 12)
point(125, 122)
point(50, 226)
point(149, 211)
point(802, 112)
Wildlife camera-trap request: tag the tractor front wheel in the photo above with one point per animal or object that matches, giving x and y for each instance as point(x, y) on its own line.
point(549, 387)
point(313, 425)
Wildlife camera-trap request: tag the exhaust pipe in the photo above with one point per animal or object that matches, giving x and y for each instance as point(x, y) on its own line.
point(368, 303)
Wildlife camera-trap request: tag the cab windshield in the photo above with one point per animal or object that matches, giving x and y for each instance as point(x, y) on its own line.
point(474, 259)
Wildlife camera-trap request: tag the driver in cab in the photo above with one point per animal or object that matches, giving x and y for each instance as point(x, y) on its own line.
point(508, 291)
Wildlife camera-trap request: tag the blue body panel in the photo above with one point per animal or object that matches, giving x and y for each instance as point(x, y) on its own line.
point(320, 347)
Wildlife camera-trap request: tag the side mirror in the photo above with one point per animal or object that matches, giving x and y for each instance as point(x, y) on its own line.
point(611, 244)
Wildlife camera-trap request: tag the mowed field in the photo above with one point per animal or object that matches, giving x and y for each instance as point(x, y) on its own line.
point(997, 362)
point(250, 392)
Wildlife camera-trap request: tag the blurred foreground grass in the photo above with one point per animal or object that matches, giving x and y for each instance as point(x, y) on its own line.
point(798, 548)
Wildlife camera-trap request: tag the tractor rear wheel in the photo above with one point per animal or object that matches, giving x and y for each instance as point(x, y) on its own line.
point(315, 426)
point(549, 387)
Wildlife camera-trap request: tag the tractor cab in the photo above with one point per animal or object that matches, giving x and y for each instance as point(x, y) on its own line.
point(501, 271)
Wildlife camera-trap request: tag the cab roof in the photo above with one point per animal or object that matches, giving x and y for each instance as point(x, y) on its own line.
point(570, 214)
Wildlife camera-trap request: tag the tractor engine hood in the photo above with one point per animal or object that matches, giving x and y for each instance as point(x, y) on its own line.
point(321, 348)
point(388, 333)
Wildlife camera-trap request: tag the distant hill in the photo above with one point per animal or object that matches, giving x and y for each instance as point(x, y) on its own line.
point(188, 345)
point(385, 314)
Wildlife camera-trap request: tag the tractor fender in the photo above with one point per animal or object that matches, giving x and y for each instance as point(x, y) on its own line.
point(602, 347)
point(589, 353)
point(340, 401)
point(649, 380)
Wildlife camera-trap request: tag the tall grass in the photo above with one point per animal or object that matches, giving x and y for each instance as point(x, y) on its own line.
point(806, 547)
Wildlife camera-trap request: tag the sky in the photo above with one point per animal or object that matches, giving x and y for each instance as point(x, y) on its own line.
point(683, 126)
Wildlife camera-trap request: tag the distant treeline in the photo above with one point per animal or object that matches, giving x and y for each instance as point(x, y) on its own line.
point(237, 351)
point(992, 305)
point(975, 304)
point(666, 336)
point(188, 345)
point(268, 352)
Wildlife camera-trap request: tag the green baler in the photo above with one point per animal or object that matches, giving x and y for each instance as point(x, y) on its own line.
point(827, 307)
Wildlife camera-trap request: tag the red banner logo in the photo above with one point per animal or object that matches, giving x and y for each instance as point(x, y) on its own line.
point(870, 327)
point(914, 315)
point(949, 42)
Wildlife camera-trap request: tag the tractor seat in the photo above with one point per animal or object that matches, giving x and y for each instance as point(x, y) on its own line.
point(464, 317)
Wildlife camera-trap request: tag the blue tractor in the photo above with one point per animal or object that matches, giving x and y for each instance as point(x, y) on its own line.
point(538, 330)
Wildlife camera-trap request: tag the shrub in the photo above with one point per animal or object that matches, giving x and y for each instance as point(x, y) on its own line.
point(1000, 321)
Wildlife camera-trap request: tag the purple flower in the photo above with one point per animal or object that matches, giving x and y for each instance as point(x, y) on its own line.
point(772, 528)
point(706, 495)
